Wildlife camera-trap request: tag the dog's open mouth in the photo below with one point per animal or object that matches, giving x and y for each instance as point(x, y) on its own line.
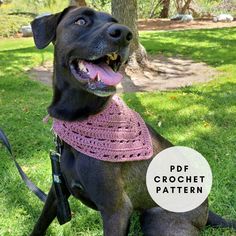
point(99, 76)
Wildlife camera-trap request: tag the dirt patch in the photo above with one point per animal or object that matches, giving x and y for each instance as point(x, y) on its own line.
point(167, 24)
point(42, 73)
point(167, 73)
point(164, 73)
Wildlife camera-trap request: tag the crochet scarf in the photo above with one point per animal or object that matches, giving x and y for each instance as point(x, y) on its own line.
point(116, 134)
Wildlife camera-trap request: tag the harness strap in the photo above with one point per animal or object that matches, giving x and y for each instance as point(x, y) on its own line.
point(37, 191)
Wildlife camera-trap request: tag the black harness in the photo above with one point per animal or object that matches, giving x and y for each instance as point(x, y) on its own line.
point(63, 207)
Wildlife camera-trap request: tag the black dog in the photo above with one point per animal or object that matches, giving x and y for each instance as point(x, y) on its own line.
point(114, 189)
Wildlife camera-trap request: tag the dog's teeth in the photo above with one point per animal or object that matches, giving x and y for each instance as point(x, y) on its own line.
point(113, 56)
point(82, 67)
point(98, 78)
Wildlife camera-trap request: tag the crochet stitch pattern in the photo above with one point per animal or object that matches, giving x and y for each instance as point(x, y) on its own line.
point(116, 134)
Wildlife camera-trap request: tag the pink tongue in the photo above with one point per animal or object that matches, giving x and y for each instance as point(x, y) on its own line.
point(104, 72)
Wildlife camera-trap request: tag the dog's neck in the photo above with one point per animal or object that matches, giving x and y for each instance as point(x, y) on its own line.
point(70, 102)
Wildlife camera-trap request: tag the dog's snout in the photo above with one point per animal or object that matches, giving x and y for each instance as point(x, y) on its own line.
point(120, 34)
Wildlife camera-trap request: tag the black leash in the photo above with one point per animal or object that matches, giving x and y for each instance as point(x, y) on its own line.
point(63, 207)
point(37, 191)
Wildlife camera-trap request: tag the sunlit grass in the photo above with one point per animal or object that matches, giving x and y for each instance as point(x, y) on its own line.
point(213, 46)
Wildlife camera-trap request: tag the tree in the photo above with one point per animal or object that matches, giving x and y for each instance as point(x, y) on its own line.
point(182, 5)
point(78, 3)
point(126, 13)
point(165, 8)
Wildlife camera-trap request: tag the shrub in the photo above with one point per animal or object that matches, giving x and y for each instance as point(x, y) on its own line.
point(11, 24)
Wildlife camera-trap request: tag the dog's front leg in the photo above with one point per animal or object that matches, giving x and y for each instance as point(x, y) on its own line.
point(116, 223)
point(48, 214)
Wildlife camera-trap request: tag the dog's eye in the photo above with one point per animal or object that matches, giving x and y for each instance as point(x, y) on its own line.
point(80, 21)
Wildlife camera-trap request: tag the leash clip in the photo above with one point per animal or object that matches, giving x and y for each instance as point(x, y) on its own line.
point(53, 153)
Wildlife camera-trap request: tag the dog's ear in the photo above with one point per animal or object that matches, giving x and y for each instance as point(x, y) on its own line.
point(44, 28)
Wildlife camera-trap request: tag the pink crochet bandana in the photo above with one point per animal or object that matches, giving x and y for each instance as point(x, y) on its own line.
point(116, 134)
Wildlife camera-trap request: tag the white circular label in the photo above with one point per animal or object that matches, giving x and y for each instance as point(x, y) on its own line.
point(179, 179)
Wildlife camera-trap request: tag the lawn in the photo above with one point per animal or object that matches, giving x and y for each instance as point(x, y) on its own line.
point(201, 117)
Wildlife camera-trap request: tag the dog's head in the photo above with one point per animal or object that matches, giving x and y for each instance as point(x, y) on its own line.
point(90, 46)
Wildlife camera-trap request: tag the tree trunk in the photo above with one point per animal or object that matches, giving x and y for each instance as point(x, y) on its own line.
point(165, 10)
point(186, 6)
point(126, 13)
point(182, 6)
point(78, 3)
point(177, 5)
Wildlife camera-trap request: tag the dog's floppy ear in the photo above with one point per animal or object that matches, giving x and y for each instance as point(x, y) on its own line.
point(44, 28)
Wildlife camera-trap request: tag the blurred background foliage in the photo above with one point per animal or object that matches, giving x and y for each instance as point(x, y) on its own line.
point(15, 13)
point(146, 9)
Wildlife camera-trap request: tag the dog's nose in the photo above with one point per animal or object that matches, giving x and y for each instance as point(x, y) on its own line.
point(120, 34)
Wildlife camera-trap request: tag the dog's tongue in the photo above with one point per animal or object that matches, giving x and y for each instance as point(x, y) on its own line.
point(104, 72)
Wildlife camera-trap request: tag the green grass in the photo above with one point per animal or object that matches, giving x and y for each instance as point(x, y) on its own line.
point(212, 46)
point(201, 117)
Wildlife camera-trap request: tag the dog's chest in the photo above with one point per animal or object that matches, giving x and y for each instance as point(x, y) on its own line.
point(116, 134)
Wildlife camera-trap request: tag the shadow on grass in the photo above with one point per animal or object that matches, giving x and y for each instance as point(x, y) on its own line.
point(11, 61)
point(212, 46)
point(217, 105)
